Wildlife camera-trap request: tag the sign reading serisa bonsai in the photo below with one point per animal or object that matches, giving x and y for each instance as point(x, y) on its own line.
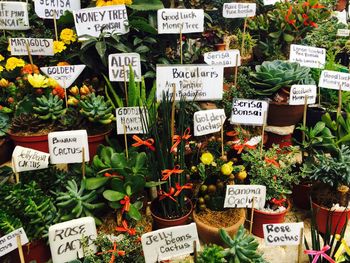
point(208, 121)
point(37, 46)
point(238, 10)
point(64, 75)
point(14, 16)
point(8, 242)
point(192, 82)
point(118, 62)
point(108, 19)
point(48, 8)
point(285, 234)
point(131, 120)
point(225, 58)
point(174, 21)
point(249, 112)
point(334, 80)
point(312, 57)
point(242, 196)
point(169, 242)
point(299, 92)
point(26, 159)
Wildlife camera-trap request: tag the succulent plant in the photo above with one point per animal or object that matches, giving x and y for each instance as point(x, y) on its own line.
point(4, 123)
point(49, 108)
point(71, 120)
point(26, 123)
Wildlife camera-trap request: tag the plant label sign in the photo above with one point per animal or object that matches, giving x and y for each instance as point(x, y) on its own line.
point(8, 243)
point(192, 82)
point(169, 242)
point(225, 58)
point(48, 8)
point(250, 112)
point(14, 16)
point(174, 21)
point(299, 92)
point(37, 46)
point(343, 32)
point(64, 75)
point(67, 146)
point(133, 118)
point(208, 121)
point(66, 239)
point(311, 57)
point(26, 159)
point(108, 19)
point(285, 234)
point(334, 80)
point(238, 10)
point(118, 62)
point(271, 2)
point(242, 196)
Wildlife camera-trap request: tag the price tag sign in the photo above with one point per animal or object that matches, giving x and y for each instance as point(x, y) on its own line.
point(37, 46)
point(117, 63)
point(8, 242)
point(47, 9)
point(64, 75)
point(239, 195)
point(334, 80)
point(249, 112)
point(226, 58)
point(208, 121)
point(14, 15)
point(299, 92)
point(238, 10)
point(26, 159)
point(134, 119)
point(343, 32)
point(312, 57)
point(286, 234)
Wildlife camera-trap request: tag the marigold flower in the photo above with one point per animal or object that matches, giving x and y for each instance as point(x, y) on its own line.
point(4, 83)
point(30, 69)
point(51, 82)
point(72, 101)
point(63, 63)
point(1, 68)
point(58, 47)
point(207, 158)
point(84, 90)
point(38, 81)
point(113, 2)
point(68, 36)
point(13, 63)
point(2, 58)
point(59, 91)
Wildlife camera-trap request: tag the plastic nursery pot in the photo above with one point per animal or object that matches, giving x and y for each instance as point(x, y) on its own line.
point(6, 148)
point(301, 195)
point(95, 141)
point(35, 251)
point(39, 142)
point(283, 114)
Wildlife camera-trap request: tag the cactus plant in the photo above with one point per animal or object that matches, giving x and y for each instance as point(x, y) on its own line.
point(49, 108)
point(26, 123)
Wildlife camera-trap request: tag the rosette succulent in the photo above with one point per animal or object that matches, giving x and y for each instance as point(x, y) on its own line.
point(49, 108)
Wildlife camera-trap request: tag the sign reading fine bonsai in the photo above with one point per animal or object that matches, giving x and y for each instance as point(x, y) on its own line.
point(238, 10)
point(66, 239)
point(249, 112)
point(283, 234)
point(26, 159)
point(174, 21)
point(169, 242)
point(298, 93)
point(312, 57)
point(8, 243)
point(37, 46)
point(64, 75)
point(132, 119)
point(14, 16)
point(208, 121)
point(118, 62)
point(334, 80)
point(223, 58)
point(47, 9)
point(242, 196)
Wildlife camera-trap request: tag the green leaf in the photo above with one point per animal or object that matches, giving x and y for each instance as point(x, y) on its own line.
point(96, 182)
point(142, 49)
point(101, 48)
point(143, 26)
point(288, 38)
point(154, 184)
point(115, 205)
point(117, 185)
point(275, 34)
point(140, 161)
point(134, 213)
point(113, 196)
point(146, 5)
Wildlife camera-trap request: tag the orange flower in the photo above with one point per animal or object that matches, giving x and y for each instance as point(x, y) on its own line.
point(63, 63)
point(59, 91)
point(313, 24)
point(317, 6)
point(287, 17)
point(30, 69)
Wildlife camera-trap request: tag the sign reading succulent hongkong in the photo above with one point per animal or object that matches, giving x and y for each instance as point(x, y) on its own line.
point(64, 75)
point(37, 46)
point(48, 8)
point(14, 15)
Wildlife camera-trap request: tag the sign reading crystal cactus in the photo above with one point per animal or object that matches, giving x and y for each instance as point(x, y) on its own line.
point(283, 234)
point(26, 159)
point(242, 196)
point(14, 16)
point(64, 75)
point(37, 46)
point(226, 58)
point(208, 121)
point(120, 62)
point(312, 57)
point(47, 9)
point(249, 112)
point(334, 80)
point(131, 120)
point(238, 10)
point(299, 92)
point(8, 242)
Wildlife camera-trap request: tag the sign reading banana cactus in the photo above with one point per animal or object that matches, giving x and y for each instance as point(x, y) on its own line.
point(64, 75)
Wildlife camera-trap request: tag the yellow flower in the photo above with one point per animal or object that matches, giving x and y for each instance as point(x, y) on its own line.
point(72, 101)
point(38, 81)
point(227, 168)
point(51, 82)
point(1, 68)
point(242, 175)
point(207, 158)
point(13, 63)
point(4, 83)
point(2, 58)
point(68, 36)
point(113, 2)
point(74, 90)
point(58, 47)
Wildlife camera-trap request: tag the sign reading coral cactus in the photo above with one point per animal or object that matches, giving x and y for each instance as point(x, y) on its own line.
point(249, 112)
point(26, 159)
point(67, 146)
point(192, 82)
point(8, 242)
point(174, 21)
point(243, 195)
point(108, 19)
point(238, 10)
point(66, 239)
point(285, 234)
point(120, 62)
point(64, 75)
point(169, 242)
point(131, 120)
point(312, 57)
point(343, 32)
point(299, 92)
point(334, 80)
point(48, 8)
point(37, 46)
point(226, 58)
point(208, 121)
point(14, 16)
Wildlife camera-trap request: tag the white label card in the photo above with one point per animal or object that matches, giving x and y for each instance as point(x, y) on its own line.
point(299, 92)
point(48, 8)
point(250, 112)
point(334, 80)
point(271, 2)
point(110, 19)
point(67, 146)
point(169, 242)
point(208, 121)
point(343, 32)
point(26, 159)
point(8, 242)
point(193, 82)
point(117, 63)
point(14, 16)
point(226, 58)
point(240, 195)
point(64, 75)
point(286, 234)
point(239, 10)
point(311, 57)
point(174, 21)
point(37, 46)
point(132, 119)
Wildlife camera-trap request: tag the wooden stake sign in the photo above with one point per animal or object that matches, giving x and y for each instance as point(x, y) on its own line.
point(249, 112)
point(299, 92)
point(238, 196)
point(37, 46)
point(131, 118)
point(226, 58)
point(238, 10)
point(55, 9)
point(20, 250)
point(343, 33)
point(9, 242)
point(208, 121)
point(26, 159)
point(14, 15)
point(64, 75)
point(117, 63)
point(334, 79)
point(306, 56)
point(286, 234)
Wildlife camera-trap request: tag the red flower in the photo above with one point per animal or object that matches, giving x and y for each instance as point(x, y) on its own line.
point(305, 16)
point(290, 21)
point(306, 4)
point(313, 24)
point(316, 6)
point(306, 23)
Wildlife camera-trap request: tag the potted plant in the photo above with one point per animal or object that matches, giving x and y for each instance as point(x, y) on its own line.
point(6, 145)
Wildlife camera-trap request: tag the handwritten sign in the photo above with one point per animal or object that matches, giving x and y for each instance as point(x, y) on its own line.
point(66, 239)
point(193, 82)
point(248, 112)
point(343, 32)
point(8, 243)
point(334, 80)
point(109, 19)
point(64, 75)
point(283, 234)
point(271, 2)
point(208, 121)
point(117, 63)
point(37, 46)
point(238, 10)
point(298, 93)
point(48, 8)
point(134, 119)
point(174, 21)
point(14, 16)
point(242, 196)
point(169, 242)
point(26, 159)
point(225, 58)
point(67, 146)
point(312, 57)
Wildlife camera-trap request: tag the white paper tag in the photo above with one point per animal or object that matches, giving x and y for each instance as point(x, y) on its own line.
point(226, 58)
point(117, 63)
point(311, 57)
point(208, 121)
point(8, 242)
point(37, 46)
point(240, 195)
point(343, 32)
point(286, 234)
point(48, 8)
point(26, 159)
point(271, 2)
point(14, 16)
point(249, 112)
point(238, 10)
point(132, 119)
point(298, 93)
point(334, 80)
point(64, 75)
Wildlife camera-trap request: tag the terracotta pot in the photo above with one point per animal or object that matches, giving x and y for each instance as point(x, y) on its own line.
point(341, 5)
point(6, 148)
point(220, 47)
point(281, 140)
point(39, 142)
point(210, 235)
point(95, 141)
point(282, 114)
point(37, 251)
point(301, 195)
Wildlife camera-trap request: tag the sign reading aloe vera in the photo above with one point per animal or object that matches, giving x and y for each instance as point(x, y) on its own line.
point(120, 62)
